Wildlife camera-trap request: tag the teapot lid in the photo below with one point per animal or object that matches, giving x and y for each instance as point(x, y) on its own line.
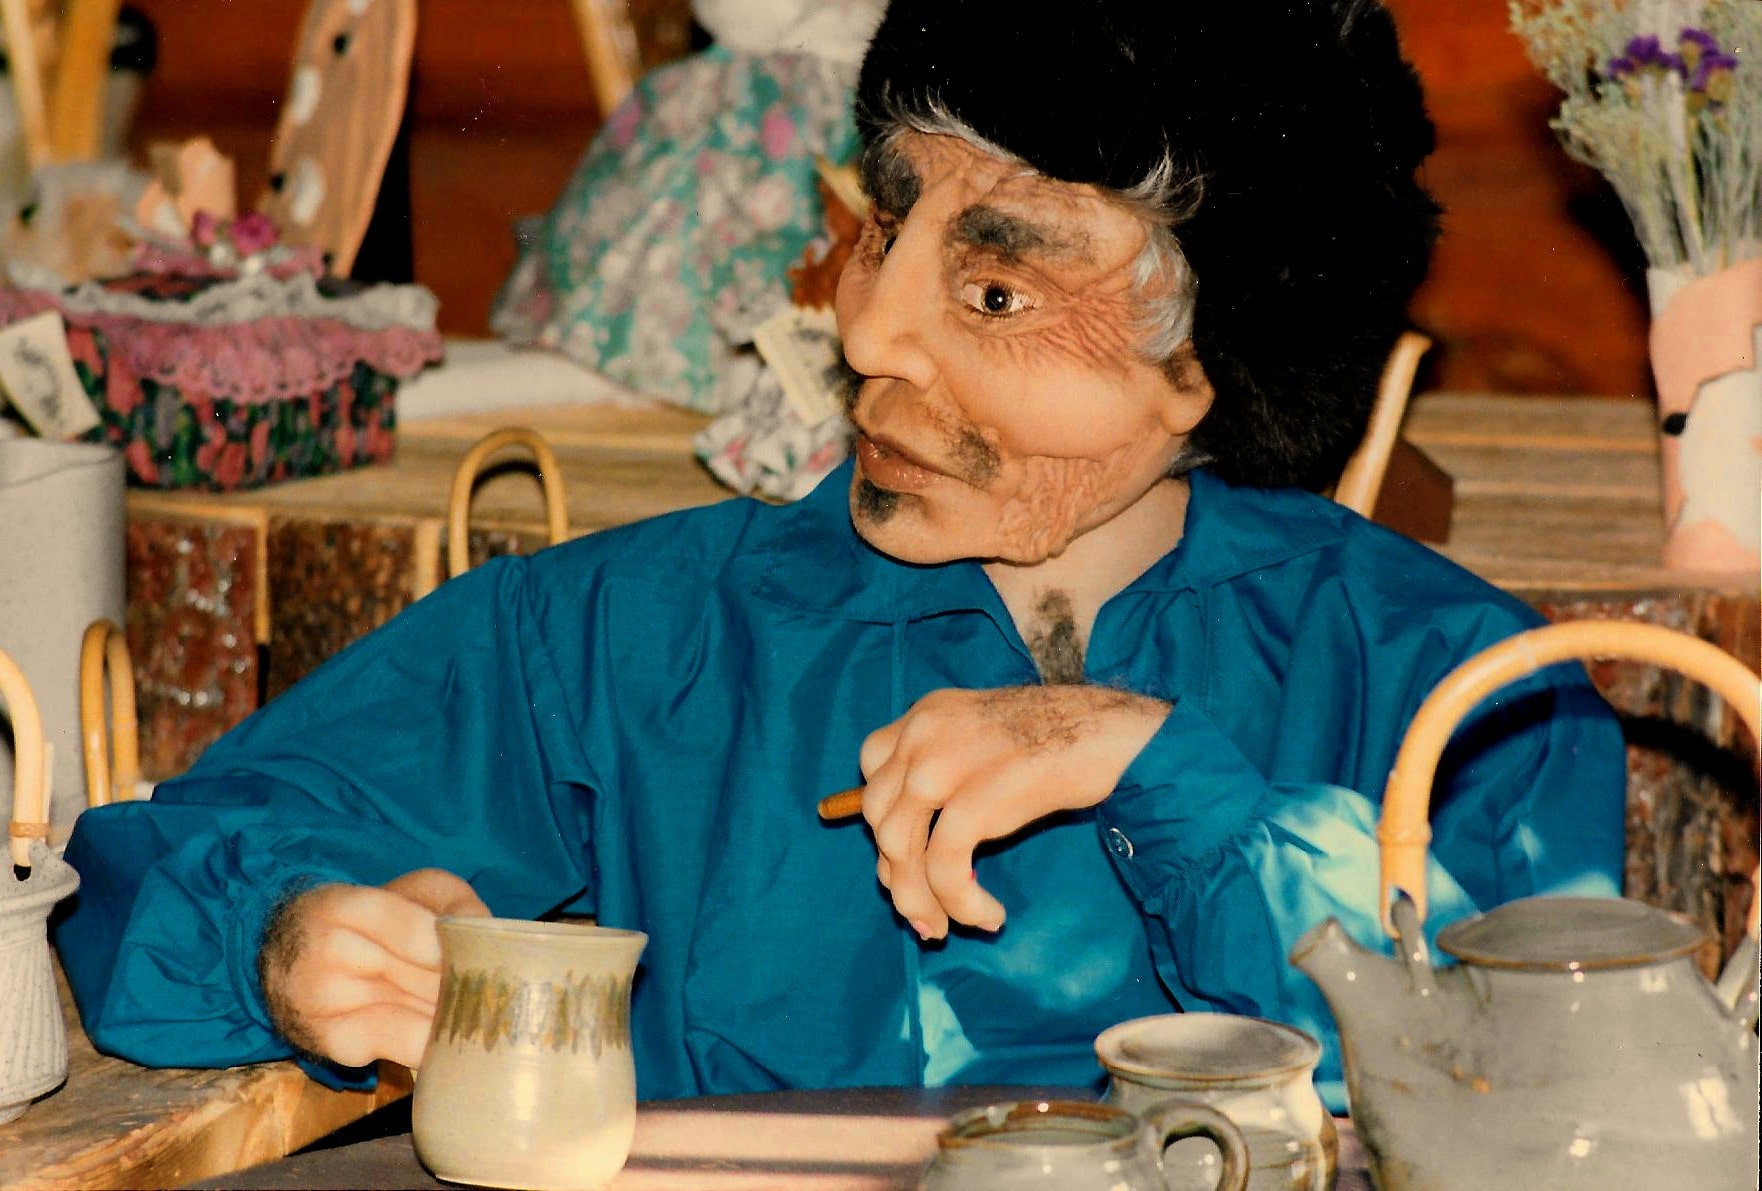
point(1572, 934)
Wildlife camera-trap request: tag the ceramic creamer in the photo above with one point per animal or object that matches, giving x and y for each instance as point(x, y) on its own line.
point(1258, 1073)
point(1060, 1145)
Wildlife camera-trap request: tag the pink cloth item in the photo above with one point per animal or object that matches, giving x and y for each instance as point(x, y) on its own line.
point(268, 357)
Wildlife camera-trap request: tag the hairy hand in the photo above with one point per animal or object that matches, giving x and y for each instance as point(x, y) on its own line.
point(352, 972)
point(983, 764)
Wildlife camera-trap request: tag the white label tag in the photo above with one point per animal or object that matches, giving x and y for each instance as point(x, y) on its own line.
point(803, 349)
point(37, 374)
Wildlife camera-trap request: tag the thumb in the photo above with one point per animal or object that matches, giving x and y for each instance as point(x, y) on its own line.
point(439, 892)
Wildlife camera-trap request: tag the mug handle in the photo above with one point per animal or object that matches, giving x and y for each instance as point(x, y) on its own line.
point(1177, 1119)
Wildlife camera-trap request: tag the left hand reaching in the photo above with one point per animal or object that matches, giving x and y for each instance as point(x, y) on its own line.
point(983, 764)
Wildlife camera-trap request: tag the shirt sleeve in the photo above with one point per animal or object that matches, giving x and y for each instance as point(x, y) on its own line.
point(441, 740)
point(1231, 869)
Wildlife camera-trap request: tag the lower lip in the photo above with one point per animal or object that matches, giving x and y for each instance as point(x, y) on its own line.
point(889, 469)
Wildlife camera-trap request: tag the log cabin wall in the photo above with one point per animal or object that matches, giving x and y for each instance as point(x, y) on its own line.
point(1536, 287)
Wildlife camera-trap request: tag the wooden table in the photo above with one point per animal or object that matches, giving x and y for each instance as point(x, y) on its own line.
point(113, 1124)
point(864, 1139)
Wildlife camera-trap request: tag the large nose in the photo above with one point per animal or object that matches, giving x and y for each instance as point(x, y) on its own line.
point(887, 312)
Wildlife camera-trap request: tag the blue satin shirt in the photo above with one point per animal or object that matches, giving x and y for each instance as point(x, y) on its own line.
point(638, 724)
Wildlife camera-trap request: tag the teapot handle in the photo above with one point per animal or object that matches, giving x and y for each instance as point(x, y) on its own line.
point(1178, 1119)
point(550, 478)
point(30, 803)
point(1404, 831)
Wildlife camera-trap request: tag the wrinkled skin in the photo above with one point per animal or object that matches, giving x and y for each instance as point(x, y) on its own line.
point(1005, 417)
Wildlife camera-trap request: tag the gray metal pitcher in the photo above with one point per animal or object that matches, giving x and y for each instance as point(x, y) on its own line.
point(1575, 1044)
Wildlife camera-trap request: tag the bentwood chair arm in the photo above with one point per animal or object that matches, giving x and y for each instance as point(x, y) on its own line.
point(550, 478)
point(104, 650)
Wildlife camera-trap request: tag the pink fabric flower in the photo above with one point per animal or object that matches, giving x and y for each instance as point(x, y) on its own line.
point(140, 462)
point(204, 228)
point(230, 468)
point(122, 389)
point(209, 453)
point(253, 232)
point(777, 133)
point(83, 347)
point(380, 441)
point(626, 119)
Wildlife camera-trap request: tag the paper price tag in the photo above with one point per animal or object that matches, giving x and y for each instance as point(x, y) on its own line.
point(37, 375)
point(803, 349)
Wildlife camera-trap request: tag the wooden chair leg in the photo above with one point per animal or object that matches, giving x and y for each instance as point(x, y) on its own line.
point(82, 73)
point(609, 44)
point(26, 66)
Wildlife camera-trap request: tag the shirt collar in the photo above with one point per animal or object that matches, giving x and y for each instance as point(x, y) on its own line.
point(808, 556)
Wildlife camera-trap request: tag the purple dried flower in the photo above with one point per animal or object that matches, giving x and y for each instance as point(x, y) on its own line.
point(1707, 67)
point(1712, 78)
point(1705, 41)
point(1645, 51)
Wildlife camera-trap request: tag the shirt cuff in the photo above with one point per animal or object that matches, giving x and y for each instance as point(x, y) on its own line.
point(249, 925)
point(1188, 792)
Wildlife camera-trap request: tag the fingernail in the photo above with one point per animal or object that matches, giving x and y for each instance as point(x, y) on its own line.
point(923, 929)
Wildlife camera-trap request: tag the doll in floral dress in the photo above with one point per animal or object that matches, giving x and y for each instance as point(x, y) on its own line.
point(673, 238)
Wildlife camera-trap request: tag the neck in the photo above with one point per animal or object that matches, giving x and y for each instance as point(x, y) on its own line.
point(1054, 603)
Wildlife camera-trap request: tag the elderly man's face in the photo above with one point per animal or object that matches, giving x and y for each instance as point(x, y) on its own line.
point(992, 312)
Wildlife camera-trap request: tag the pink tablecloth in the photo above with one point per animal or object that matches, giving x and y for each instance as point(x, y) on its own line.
point(866, 1139)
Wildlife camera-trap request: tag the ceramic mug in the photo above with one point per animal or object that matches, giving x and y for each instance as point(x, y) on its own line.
point(1258, 1073)
point(1068, 1145)
point(528, 1079)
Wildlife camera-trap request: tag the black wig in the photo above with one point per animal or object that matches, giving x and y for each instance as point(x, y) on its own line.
point(1304, 125)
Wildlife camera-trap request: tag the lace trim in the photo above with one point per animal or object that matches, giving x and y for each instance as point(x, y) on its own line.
point(256, 339)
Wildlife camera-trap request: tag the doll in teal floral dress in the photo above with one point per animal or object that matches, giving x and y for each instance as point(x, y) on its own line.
point(671, 241)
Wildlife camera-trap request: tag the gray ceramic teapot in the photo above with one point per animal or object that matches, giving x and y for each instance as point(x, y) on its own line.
point(1575, 1044)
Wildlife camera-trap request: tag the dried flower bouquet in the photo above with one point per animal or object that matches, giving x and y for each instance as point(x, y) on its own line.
point(1664, 98)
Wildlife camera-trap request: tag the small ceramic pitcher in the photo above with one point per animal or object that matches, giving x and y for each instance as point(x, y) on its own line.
point(33, 1036)
point(528, 1079)
point(1258, 1073)
point(1065, 1145)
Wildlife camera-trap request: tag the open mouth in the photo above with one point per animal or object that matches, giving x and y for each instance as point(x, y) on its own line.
point(891, 468)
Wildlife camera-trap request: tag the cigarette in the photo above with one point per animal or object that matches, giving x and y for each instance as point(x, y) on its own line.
point(842, 805)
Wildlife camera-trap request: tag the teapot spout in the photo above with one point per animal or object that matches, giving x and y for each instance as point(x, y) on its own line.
point(1360, 986)
point(1740, 984)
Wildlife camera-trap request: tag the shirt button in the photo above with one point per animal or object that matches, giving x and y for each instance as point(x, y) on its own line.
point(1117, 841)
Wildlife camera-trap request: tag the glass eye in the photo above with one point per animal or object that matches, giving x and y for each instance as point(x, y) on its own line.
point(994, 299)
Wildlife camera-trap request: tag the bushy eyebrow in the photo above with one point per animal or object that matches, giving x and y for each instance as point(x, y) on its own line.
point(889, 180)
point(1011, 236)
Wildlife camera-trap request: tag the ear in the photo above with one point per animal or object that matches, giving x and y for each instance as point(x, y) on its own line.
point(1189, 395)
